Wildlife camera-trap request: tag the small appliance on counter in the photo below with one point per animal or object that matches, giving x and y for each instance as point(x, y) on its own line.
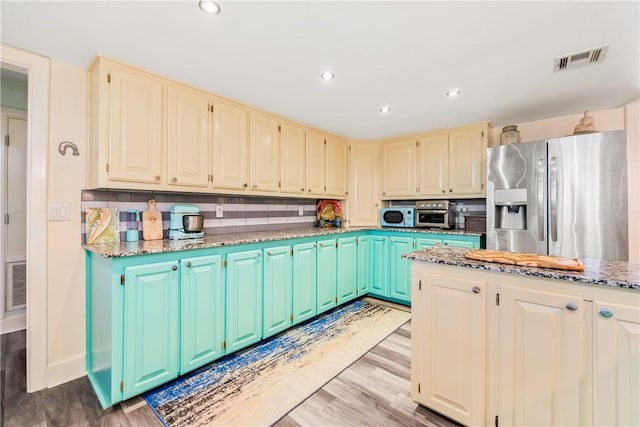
point(435, 213)
point(186, 222)
point(400, 216)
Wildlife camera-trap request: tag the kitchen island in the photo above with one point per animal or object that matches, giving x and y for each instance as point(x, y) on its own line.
point(496, 344)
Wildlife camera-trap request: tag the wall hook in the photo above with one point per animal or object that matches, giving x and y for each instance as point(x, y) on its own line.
point(62, 148)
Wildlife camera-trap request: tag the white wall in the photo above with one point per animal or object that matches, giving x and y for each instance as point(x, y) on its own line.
point(65, 282)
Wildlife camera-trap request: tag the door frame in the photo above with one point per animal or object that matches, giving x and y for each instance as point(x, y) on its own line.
point(37, 68)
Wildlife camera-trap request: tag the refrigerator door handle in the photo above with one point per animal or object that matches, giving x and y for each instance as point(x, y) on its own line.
point(540, 200)
point(553, 196)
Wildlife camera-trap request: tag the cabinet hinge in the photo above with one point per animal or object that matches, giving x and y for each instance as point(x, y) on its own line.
point(482, 186)
point(108, 77)
point(325, 188)
point(418, 388)
point(496, 421)
point(336, 244)
point(279, 128)
point(357, 241)
point(121, 386)
point(483, 134)
point(122, 279)
point(325, 141)
point(291, 317)
point(279, 184)
point(6, 140)
point(497, 299)
point(224, 263)
point(336, 299)
point(419, 285)
point(291, 252)
point(106, 167)
point(6, 219)
point(224, 345)
point(417, 143)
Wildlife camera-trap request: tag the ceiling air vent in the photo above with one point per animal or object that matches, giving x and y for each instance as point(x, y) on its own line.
point(574, 60)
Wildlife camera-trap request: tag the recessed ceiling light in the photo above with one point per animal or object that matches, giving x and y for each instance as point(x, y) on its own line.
point(453, 92)
point(327, 75)
point(385, 109)
point(209, 6)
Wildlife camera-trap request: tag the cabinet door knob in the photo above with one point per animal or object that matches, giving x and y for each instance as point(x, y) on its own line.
point(571, 307)
point(475, 290)
point(443, 192)
point(384, 194)
point(188, 264)
point(302, 189)
point(157, 178)
point(606, 313)
point(309, 190)
point(174, 179)
point(450, 190)
point(245, 185)
point(254, 186)
point(269, 253)
point(174, 268)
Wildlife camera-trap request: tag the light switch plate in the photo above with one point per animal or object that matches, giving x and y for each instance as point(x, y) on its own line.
point(219, 211)
point(300, 211)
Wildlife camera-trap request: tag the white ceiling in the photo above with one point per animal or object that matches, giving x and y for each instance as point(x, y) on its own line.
point(403, 54)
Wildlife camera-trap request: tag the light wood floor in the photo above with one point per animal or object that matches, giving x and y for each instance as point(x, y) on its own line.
point(373, 391)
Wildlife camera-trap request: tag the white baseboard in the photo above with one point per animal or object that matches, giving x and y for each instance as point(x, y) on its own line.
point(65, 371)
point(13, 324)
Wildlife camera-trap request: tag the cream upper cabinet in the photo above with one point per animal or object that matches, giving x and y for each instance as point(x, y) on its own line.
point(189, 120)
point(230, 145)
point(363, 183)
point(616, 362)
point(336, 152)
point(264, 137)
point(448, 322)
point(127, 127)
point(315, 163)
point(399, 168)
point(292, 159)
point(467, 161)
point(433, 164)
point(540, 356)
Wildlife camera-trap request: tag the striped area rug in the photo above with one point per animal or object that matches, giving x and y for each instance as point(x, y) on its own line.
point(259, 385)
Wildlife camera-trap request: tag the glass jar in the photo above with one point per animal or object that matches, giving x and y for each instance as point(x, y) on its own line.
point(510, 135)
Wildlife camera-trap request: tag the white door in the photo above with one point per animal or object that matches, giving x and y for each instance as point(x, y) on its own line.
point(15, 211)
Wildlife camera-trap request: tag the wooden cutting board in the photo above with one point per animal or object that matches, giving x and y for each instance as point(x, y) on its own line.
point(527, 260)
point(152, 222)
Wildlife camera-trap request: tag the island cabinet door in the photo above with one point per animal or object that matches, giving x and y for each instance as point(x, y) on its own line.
point(202, 316)
point(304, 281)
point(400, 269)
point(616, 382)
point(379, 268)
point(448, 342)
point(539, 357)
point(327, 274)
point(277, 290)
point(244, 299)
point(150, 326)
point(347, 269)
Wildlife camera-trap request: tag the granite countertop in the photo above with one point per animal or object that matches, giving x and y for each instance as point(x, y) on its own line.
point(620, 274)
point(121, 249)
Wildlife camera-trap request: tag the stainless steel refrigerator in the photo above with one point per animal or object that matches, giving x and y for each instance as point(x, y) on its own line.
point(564, 196)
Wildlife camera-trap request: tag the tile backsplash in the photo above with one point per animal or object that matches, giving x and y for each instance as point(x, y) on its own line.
point(240, 214)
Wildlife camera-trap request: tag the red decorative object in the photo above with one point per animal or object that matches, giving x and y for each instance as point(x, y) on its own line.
point(329, 213)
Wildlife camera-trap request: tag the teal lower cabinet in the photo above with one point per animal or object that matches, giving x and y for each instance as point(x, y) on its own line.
point(243, 299)
point(151, 326)
point(304, 281)
point(327, 291)
point(202, 315)
point(364, 264)
point(400, 269)
point(152, 317)
point(379, 265)
point(347, 269)
point(277, 297)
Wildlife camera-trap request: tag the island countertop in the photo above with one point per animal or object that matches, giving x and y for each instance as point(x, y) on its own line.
point(122, 249)
point(620, 274)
